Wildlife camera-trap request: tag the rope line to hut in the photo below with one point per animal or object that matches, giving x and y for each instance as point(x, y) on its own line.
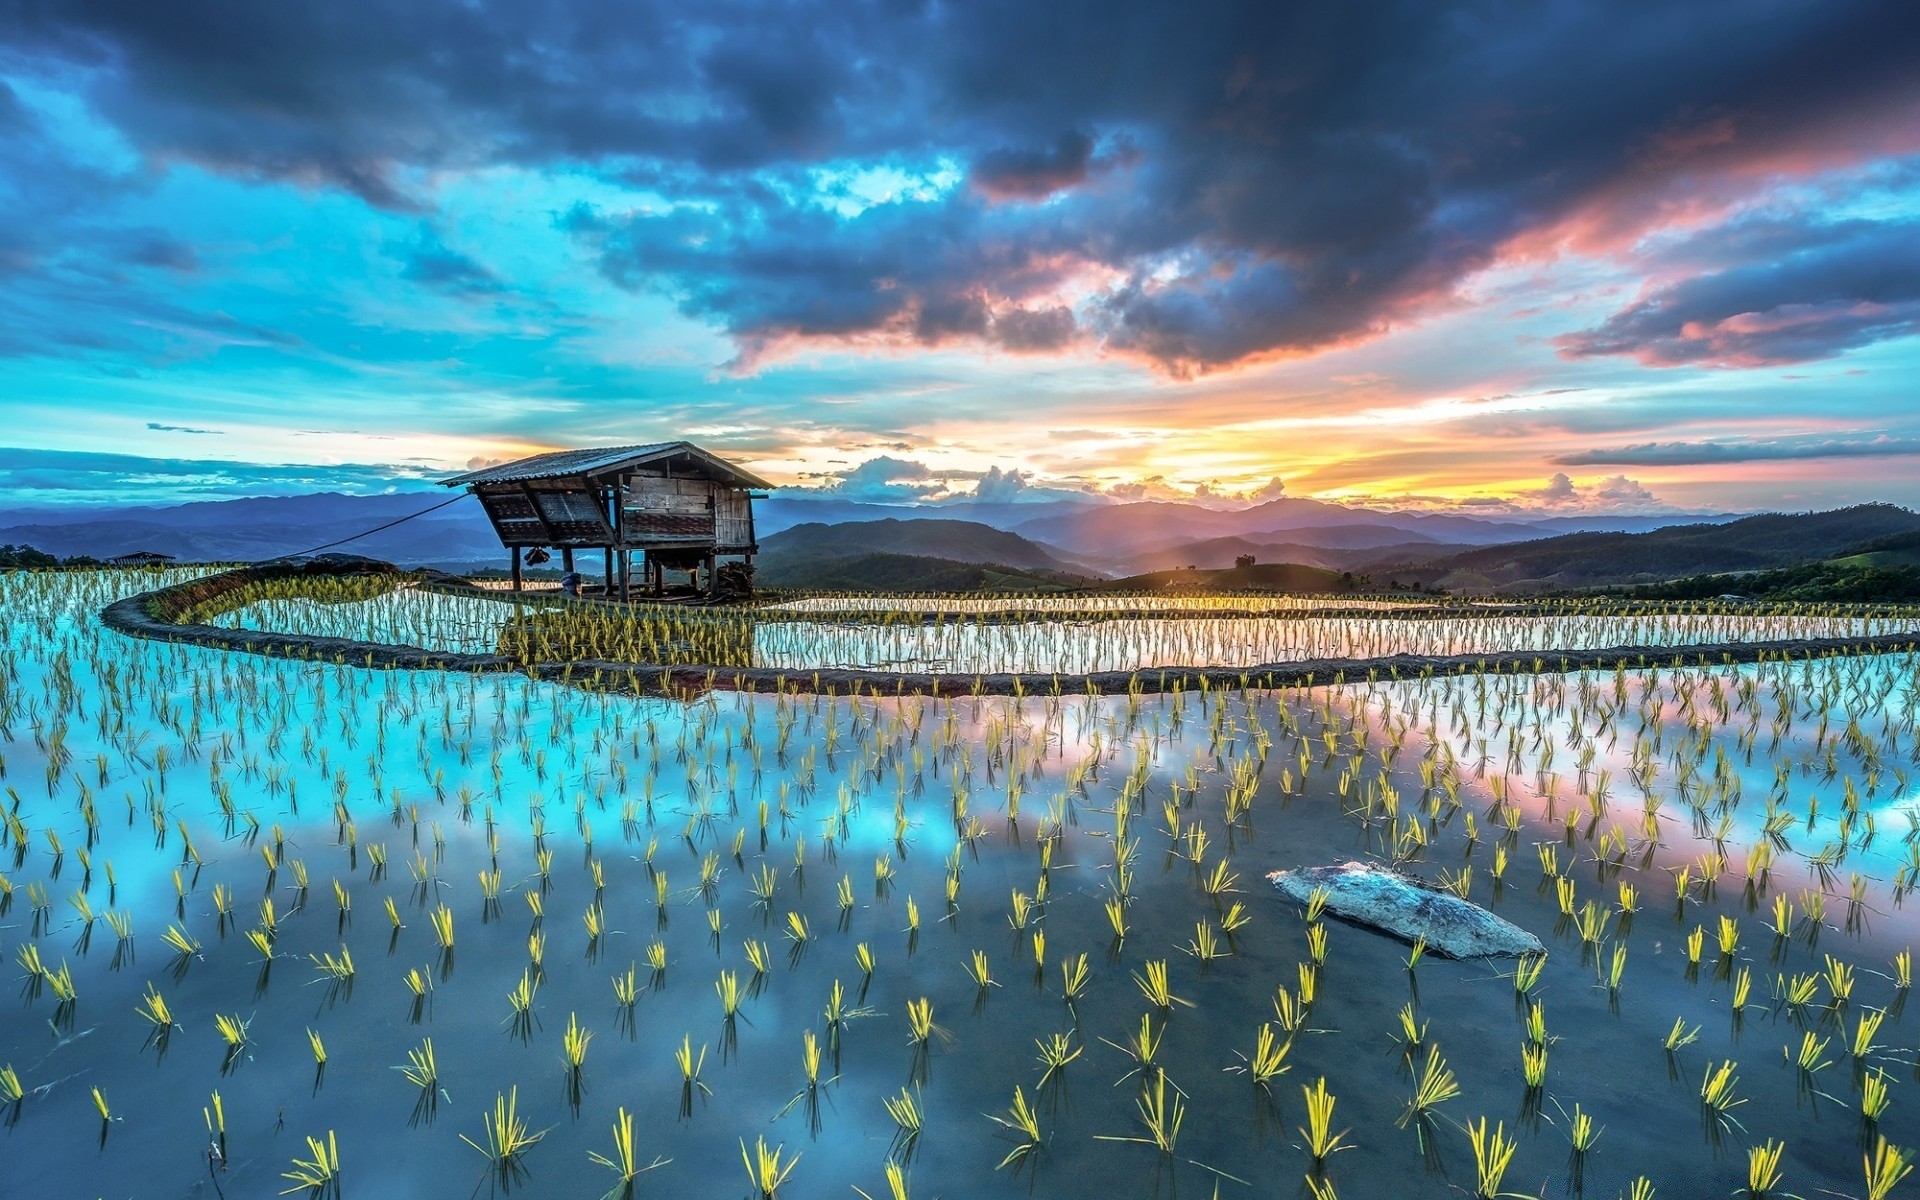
point(363, 533)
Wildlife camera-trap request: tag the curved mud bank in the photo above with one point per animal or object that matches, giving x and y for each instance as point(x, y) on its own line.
point(157, 615)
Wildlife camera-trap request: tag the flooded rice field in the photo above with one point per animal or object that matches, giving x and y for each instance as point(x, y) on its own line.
point(278, 925)
point(1092, 639)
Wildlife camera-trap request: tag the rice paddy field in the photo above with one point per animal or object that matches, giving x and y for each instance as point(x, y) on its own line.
point(307, 927)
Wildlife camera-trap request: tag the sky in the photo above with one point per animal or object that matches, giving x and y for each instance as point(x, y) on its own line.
point(1558, 257)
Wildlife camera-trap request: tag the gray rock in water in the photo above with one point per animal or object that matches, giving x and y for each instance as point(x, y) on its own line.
point(1409, 909)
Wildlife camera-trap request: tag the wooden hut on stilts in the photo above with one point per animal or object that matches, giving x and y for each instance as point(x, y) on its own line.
point(679, 507)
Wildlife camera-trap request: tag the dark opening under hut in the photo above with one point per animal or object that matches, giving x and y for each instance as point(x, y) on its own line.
point(680, 507)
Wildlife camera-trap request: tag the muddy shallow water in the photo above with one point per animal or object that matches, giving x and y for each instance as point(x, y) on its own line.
point(473, 774)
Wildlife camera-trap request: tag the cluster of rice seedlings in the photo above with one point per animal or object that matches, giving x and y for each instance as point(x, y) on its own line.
point(1021, 1121)
point(767, 1170)
point(1321, 1140)
point(508, 1136)
point(1492, 1155)
point(623, 1162)
point(318, 1174)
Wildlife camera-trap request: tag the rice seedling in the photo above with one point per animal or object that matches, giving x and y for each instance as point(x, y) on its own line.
point(573, 1046)
point(1717, 1089)
point(1680, 1035)
point(421, 1069)
point(1434, 1086)
point(977, 971)
point(1533, 1065)
point(1025, 1125)
point(1321, 1140)
point(1492, 1155)
point(1526, 973)
point(338, 968)
point(1875, 1095)
point(508, 1136)
point(1154, 986)
point(1886, 1165)
point(908, 1116)
point(1838, 976)
point(1867, 1025)
point(100, 1105)
point(1728, 936)
point(180, 942)
point(441, 919)
point(1317, 943)
point(1582, 1133)
point(11, 1091)
point(232, 1030)
point(318, 1174)
point(623, 1162)
point(767, 1170)
point(1763, 1168)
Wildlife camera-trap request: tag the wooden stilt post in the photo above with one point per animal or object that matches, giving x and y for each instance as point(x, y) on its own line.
point(516, 568)
point(566, 560)
point(606, 563)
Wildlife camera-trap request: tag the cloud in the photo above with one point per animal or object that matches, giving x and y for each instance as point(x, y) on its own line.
point(1007, 174)
point(428, 260)
point(54, 477)
point(158, 427)
point(997, 486)
point(1194, 187)
point(880, 480)
point(1615, 493)
point(1705, 453)
point(1809, 292)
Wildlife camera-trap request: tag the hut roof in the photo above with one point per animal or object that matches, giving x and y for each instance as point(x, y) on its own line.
point(603, 460)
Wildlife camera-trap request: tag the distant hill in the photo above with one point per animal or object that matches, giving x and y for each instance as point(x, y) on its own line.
point(925, 554)
point(258, 528)
point(1119, 530)
point(884, 572)
point(1586, 560)
point(1218, 553)
point(965, 541)
point(1275, 577)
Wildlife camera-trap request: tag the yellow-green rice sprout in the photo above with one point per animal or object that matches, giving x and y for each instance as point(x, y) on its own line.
point(421, 1069)
point(319, 1174)
point(573, 1044)
point(1810, 1057)
point(1864, 1030)
point(1875, 1095)
point(1886, 1166)
point(1153, 985)
point(1526, 973)
point(1073, 977)
point(1025, 1124)
point(507, 1135)
point(1839, 979)
point(1492, 1154)
point(977, 971)
point(1434, 1086)
point(624, 1163)
point(767, 1170)
point(180, 941)
point(1763, 1168)
point(906, 1113)
point(1717, 1088)
point(1582, 1132)
point(232, 1030)
point(442, 921)
point(10, 1090)
point(1680, 1035)
point(1055, 1052)
point(1533, 1065)
point(1903, 970)
point(100, 1103)
point(1320, 1137)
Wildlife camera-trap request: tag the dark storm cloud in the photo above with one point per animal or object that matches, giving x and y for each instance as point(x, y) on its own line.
point(1227, 180)
point(428, 260)
point(1703, 453)
point(1814, 293)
